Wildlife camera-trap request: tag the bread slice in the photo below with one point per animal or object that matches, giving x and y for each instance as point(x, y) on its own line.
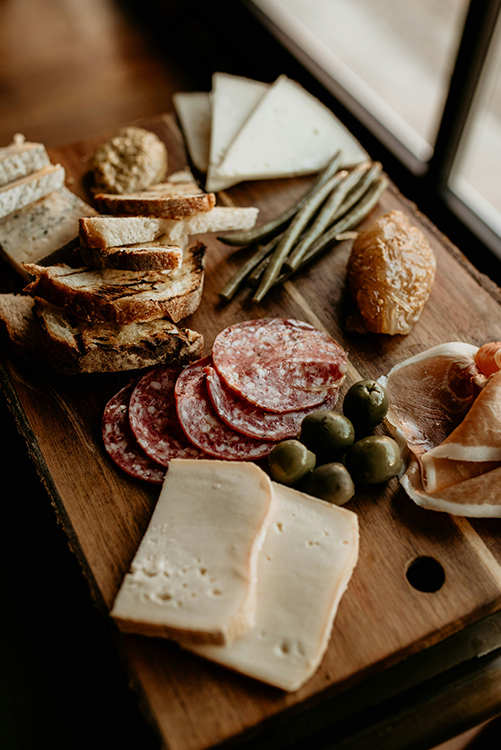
point(109, 295)
point(20, 159)
point(115, 231)
point(31, 188)
point(36, 231)
point(308, 557)
point(167, 204)
point(45, 335)
point(152, 257)
point(79, 346)
point(193, 576)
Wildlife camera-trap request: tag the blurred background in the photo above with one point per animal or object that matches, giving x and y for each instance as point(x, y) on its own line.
point(418, 83)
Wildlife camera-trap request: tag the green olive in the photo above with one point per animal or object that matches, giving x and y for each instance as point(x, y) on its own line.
point(366, 405)
point(331, 482)
point(289, 461)
point(374, 459)
point(327, 434)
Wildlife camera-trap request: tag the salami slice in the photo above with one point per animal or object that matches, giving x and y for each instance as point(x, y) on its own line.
point(252, 421)
point(279, 364)
point(153, 417)
point(202, 425)
point(121, 444)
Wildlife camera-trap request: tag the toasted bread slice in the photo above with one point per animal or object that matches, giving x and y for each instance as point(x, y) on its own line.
point(166, 205)
point(152, 257)
point(117, 231)
point(48, 336)
point(109, 295)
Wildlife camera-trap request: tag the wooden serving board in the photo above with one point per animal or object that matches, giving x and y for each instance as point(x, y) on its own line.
point(382, 619)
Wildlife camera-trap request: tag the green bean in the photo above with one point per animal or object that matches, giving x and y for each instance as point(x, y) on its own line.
point(325, 216)
point(359, 190)
point(231, 286)
point(346, 223)
point(291, 234)
point(264, 231)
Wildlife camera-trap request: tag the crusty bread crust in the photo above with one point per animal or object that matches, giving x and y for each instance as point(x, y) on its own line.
point(138, 258)
point(164, 207)
point(108, 295)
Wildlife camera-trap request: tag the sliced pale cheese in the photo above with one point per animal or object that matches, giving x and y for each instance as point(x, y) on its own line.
point(233, 98)
point(290, 132)
point(194, 575)
point(309, 554)
point(193, 109)
point(20, 159)
point(29, 189)
point(33, 232)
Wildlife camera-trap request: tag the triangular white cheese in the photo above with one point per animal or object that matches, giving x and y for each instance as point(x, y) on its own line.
point(193, 109)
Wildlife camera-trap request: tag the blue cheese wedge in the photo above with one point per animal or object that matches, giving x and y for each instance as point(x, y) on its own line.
point(233, 98)
point(34, 231)
point(20, 159)
point(290, 132)
point(308, 557)
point(20, 193)
point(194, 574)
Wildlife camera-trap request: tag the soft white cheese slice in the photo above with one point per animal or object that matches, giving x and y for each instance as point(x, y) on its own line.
point(233, 98)
point(309, 554)
point(20, 159)
point(290, 132)
point(194, 574)
point(193, 109)
point(26, 190)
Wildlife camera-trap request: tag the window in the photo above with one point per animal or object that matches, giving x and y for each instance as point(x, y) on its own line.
point(424, 78)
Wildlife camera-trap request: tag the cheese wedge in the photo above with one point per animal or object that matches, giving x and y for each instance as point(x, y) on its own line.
point(233, 98)
point(20, 159)
point(21, 192)
point(194, 575)
point(309, 554)
point(193, 109)
point(289, 132)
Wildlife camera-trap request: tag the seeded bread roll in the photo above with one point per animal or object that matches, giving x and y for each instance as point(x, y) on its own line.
point(129, 161)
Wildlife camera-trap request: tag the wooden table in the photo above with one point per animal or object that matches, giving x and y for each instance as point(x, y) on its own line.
point(382, 620)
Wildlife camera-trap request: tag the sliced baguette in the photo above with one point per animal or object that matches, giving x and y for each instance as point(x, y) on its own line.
point(42, 228)
point(21, 158)
point(167, 205)
point(29, 189)
point(79, 346)
point(194, 574)
point(114, 231)
point(152, 257)
point(109, 295)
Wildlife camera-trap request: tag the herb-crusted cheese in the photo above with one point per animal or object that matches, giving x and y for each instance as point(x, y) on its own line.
point(194, 574)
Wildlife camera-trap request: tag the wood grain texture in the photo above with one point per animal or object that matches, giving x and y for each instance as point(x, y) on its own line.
point(195, 704)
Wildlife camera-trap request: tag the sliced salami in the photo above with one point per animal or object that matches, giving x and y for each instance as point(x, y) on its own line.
point(253, 421)
point(153, 417)
point(121, 444)
point(202, 425)
point(279, 364)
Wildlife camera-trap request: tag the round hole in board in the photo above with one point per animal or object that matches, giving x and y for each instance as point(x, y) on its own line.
point(425, 574)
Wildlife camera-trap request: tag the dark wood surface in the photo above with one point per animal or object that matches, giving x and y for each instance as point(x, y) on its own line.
point(382, 619)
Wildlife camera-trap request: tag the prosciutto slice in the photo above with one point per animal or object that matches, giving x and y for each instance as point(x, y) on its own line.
point(459, 473)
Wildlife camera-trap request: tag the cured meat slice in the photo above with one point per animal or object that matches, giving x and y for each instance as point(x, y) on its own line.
point(431, 393)
point(202, 425)
point(153, 417)
point(253, 421)
point(279, 364)
point(120, 443)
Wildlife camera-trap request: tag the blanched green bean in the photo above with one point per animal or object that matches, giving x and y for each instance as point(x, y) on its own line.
point(264, 231)
point(231, 286)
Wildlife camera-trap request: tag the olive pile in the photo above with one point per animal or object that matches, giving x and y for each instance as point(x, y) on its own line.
point(333, 452)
